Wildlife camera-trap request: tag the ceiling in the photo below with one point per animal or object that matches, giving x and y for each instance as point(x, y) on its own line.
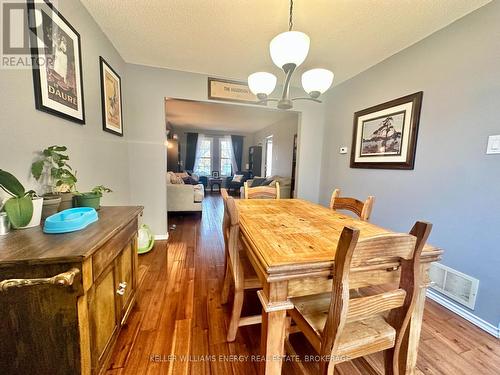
point(223, 117)
point(230, 38)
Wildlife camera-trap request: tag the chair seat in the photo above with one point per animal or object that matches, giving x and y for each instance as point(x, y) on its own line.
point(251, 279)
point(359, 338)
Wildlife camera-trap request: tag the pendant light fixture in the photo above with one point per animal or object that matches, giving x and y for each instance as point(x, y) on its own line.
point(288, 50)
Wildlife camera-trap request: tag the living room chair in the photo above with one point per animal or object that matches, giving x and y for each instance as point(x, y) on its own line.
point(362, 209)
point(234, 186)
point(239, 270)
point(262, 192)
point(341, 328)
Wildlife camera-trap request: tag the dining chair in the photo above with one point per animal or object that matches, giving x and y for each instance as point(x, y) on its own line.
point(342, 328)
point(262, 192)
point(240, 271)
point(362, 209)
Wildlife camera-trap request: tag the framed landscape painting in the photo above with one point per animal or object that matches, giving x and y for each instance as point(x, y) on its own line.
point(385, 136)
point(111, 99)
point(57, 67)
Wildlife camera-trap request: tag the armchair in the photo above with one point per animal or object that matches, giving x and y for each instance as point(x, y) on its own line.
point(235, 186)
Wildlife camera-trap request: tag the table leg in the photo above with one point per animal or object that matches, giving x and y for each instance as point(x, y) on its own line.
point(409, 350)
point(274, 305)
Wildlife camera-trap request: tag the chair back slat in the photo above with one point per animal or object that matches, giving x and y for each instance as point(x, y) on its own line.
point(262, 192)
point(225, 218)
point(362, 209)
point(364, 307)
point(383, 249)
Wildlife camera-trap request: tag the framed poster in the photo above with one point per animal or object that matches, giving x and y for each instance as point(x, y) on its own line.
point(385, 136)
point(111, 99)
point(231, 91)
point(57, 67)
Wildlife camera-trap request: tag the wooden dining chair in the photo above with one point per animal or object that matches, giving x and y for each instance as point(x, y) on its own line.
point(262, 192)
point(240, 271)
point(343, 328)
point(362, 209)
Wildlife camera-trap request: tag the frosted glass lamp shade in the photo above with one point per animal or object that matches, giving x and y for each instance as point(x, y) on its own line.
point(318, 80)
point(290, 47)
point(262, 83)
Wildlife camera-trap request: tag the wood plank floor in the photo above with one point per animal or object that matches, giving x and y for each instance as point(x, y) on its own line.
point(179, 325)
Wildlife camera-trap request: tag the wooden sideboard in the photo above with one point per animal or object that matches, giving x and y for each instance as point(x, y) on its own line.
point(65, 297)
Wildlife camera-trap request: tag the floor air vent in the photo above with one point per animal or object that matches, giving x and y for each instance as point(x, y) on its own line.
point(454, 284)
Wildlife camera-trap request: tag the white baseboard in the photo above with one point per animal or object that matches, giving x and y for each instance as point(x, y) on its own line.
point(161, 237)
point(467, 315)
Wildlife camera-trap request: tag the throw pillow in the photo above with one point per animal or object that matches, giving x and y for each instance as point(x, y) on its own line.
point(174, 179)
point(267, 182)
point(258, 181)
point(189, 180)
point(237, 178)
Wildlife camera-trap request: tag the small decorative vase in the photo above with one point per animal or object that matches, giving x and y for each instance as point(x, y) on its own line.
point(88, 200)
point(50, 205)
point(66, 201)
point(37, 213)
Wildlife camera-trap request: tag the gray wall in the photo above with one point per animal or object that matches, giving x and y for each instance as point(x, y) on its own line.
point(99, 157)
point(283, 133)
point(145, 113)
point(454, 185)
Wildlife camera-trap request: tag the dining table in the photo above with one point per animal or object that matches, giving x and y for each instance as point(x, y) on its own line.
point(291, 244)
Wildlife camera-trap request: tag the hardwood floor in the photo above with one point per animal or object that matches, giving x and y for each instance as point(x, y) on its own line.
point(179, 325)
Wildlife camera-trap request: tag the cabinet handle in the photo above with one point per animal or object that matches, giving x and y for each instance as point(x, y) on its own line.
point(63, 279)
point(120, 291)
point(123, 285)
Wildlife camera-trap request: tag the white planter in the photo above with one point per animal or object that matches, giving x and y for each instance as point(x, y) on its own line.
point(37, 213)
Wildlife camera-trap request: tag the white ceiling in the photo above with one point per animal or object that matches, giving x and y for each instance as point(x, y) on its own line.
point(230, 38)
point(223, 117)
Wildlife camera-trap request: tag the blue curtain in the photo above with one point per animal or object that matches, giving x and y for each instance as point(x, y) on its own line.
point(191, 141)
point(238, 150)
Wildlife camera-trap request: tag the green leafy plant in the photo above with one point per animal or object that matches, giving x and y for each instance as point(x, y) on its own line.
point(19, 207)
point(98, 191)
point(54, 162)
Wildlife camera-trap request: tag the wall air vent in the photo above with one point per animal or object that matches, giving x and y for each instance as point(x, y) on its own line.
point(454, 284)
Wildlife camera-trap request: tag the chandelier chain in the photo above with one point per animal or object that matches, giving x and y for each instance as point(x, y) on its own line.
point(290, 22)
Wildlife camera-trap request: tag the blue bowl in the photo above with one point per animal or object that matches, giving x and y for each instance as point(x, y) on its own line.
point(70, 220)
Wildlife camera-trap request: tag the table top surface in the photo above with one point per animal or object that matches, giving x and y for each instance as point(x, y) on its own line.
point(293, 231)
point(34, 246)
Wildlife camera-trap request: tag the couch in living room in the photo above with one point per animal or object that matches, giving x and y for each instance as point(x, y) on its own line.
point(234, 183)
point(285, 185)
point(183, 196)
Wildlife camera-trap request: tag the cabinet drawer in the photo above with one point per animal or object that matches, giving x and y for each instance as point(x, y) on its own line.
point(108, 252)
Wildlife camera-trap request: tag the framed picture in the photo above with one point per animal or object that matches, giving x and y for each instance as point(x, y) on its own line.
point(385, 136)
point(57, 67)
point(231, 91)
point(215, 174)
point(111, 99)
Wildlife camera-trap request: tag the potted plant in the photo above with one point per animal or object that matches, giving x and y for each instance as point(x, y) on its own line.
point(23, 208)
point(59, 178)
point(91, 198)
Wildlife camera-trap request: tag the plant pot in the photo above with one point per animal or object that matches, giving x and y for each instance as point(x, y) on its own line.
point(66, 201)
point(37, 213)
point(88, 200)
point(50, 205)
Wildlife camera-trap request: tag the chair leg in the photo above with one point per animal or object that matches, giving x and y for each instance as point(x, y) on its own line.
point(389, 366)
point(327, 367)
point(226, 286)
point(235, 314)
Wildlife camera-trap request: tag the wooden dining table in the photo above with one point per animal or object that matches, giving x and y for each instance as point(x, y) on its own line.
point(291, 243)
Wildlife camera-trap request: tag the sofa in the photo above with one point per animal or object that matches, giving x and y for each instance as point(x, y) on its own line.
point(236, 185)
point(285, 185)
point(182, 197)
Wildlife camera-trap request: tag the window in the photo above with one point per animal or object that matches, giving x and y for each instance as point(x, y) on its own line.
point(225, 157)
point(269, 156)
point(204, 162)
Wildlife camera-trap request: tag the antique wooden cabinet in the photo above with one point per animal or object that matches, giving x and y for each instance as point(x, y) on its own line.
point(64, 298)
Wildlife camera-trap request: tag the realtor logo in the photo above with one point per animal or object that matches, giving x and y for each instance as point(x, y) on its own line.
point(17, 23)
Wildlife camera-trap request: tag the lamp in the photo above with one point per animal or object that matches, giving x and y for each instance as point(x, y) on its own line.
point(289, 50)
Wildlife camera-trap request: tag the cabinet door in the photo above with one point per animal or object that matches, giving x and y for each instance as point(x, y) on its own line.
point(126, 276)
point(104, 322)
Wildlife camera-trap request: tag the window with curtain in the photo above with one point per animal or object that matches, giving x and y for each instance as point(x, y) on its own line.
point(203, 162)
point(226, 156)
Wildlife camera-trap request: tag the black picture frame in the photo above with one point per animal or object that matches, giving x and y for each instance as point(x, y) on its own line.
point(103, 64)
point(42, 100)
point(411, 126)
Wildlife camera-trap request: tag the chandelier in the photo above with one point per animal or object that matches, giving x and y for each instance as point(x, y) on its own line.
point(288, 50)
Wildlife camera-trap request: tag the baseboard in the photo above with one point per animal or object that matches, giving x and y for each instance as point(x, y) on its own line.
point(161, 237)
point(467, 315)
